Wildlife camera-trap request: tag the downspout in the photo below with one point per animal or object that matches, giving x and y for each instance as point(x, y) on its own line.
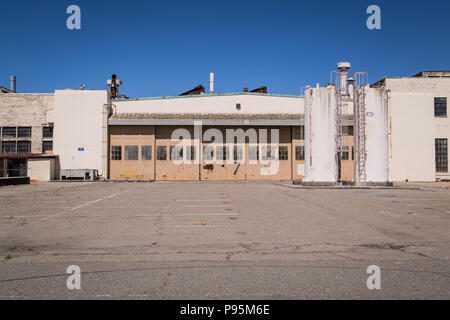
point(107, 111)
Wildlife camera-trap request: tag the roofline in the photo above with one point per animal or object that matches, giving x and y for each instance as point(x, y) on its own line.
point(212, 95)
point(6, 89)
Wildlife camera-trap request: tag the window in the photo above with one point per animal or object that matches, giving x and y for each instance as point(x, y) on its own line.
point(23, 147)
point(347, 130)
point(222, 153)
point(237, 153)
point(268, 153)
point(208, 153)
point(47, 145)
point(176, 153)
point(253, 153)
point(283, 153)
point(116, 152)
point(300, 153)
point(47, 132)
point(353, 153)
point(8, 146)
point(441, 153)
point(440, 107)
point(131, 152)
point(344, 154)
point(24, 132)
point(146, 153)
point(161, 153)
point(9, 132)
point(190, 153)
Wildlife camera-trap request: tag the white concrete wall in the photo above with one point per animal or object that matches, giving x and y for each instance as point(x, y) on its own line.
point(320, 131)
point(411, 140)
point(414, 127)
point(79, 123)
point(250, 104)
point(377, 165)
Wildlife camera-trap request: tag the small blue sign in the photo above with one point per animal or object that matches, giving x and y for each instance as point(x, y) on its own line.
point(80, 149)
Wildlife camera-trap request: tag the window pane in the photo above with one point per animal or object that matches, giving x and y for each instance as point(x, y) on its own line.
point(208, 153)
point(161, 153)
point(146, 153)
point(222, 153)
point(116, 152)
point(24, 132)
point(47, 145)
point(441, 153)
point(237, 153)
point(176, 153)
point(253, 153)
point(440, 107)
point(8, 147)
point(9, 132)
point(283, 153)
point(190, 153)
point(268, 153)
point(23, 147)
point(299, 153)
point(131, 152)
point(47, 132)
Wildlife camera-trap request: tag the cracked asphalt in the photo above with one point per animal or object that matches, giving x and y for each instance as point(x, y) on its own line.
point(222, 240)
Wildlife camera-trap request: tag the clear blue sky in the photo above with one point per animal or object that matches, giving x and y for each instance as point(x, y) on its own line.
point(164, 47)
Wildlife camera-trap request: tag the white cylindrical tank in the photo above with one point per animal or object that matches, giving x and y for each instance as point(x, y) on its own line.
point(377, 162)
point(320, 130)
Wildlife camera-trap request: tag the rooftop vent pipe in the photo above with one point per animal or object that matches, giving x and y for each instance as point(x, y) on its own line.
point(211, 83)
point(12, 80)
point(343, 68)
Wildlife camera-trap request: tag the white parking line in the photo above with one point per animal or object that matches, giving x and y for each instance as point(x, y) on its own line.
point(78, 207)
point(206, 200)
point(204, 226)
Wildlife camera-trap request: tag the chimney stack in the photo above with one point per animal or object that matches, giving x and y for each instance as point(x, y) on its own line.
point(13, 83)
point(211, 83)
point(343, 68)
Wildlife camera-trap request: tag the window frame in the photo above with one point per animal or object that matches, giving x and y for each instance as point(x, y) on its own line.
point(441, 158)
point(28, 149)
point(283, 153)
point(440, 107)
point(46, 135)
point(146, 153)
point(116, 153)
point(179, 155)
point(6, 142)
point(8, 136)
point(129, 152)
point(161, 153)
point(299, 153)
point(24, 132)
point(252, 153)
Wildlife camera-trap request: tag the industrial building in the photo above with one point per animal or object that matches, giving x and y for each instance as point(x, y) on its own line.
point(396, 129)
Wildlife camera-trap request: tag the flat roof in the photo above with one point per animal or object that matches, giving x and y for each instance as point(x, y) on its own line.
point(212, 95)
